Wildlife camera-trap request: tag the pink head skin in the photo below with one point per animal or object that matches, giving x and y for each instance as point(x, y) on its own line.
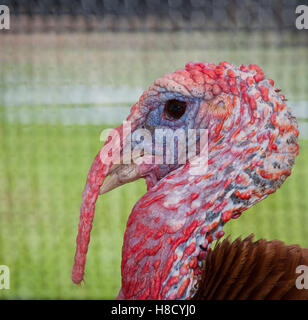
point(252, 144)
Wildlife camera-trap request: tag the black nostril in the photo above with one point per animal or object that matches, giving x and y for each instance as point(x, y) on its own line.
point(174, 109)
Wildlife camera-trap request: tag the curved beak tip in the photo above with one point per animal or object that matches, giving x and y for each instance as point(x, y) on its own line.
point(120, 174)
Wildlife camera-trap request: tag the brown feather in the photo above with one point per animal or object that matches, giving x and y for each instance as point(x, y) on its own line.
point(251, 270)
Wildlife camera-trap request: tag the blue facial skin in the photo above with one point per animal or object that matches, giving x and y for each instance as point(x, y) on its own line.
point(157, 119)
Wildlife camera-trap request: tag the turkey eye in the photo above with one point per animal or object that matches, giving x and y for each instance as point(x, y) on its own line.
point(174, 109)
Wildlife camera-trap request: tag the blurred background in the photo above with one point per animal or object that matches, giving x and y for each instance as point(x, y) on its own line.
point(69, 69)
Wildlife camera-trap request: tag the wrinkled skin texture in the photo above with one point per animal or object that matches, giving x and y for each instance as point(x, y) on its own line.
point(252, 144)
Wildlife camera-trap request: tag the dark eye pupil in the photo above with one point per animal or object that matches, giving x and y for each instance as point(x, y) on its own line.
point(174, 109)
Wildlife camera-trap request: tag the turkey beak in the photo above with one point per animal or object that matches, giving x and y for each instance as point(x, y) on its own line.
point(120, 174)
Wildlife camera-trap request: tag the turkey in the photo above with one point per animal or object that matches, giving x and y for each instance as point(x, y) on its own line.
point(246, 144)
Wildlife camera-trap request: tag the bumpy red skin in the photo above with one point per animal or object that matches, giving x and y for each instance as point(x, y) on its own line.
point(252, 147)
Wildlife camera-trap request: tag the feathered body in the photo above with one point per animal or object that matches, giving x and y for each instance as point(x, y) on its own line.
point(252, 145)
point(248, 270)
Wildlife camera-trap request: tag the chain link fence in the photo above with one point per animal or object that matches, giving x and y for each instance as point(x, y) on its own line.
point(69, 69)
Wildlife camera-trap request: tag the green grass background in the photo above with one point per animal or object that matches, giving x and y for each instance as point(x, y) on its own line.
point(43, 167)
